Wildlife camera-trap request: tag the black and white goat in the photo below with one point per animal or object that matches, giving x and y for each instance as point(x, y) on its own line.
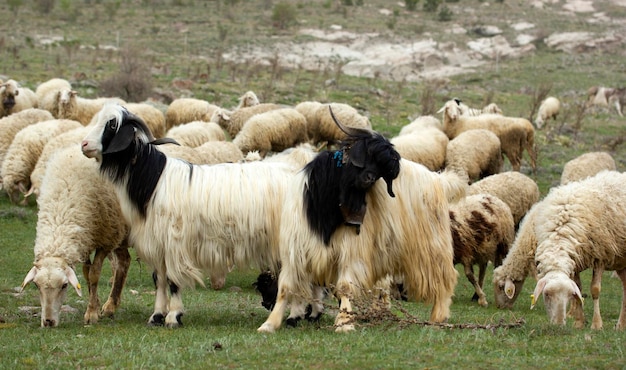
point(187, 220)
point(328, 239)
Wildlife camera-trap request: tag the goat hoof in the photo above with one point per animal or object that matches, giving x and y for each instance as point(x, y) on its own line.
point(315, 318)
point(293, 321)
point(156, 319)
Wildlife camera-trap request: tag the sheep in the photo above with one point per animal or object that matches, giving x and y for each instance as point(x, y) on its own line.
point(599, 95)
point(482, 231)
point(343, 228)
point(47, 94)
point(248, 99)
point(515, 189)
point(515, 134)
point(11, 125)
point(272, 131)
point(233, 121)
point(71, 106)
point(581, 225)
point(549, 108)
point(426, 146)
point(196, 133)
point(618, 98)
point(24, 151)
point(185, 110)
point(152, 116)
point(508, 278)
point(586, 165)
point(322, 128)
point(491, 108)
point(78, 215)
point(477, 153)
point(419, 123)
point(15, 98)
point(186, 220)
point(211, 152)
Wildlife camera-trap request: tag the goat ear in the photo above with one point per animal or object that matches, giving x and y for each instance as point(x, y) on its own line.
point(122, 139)
point(538, 291)
point(356, 155)
point(389, 182)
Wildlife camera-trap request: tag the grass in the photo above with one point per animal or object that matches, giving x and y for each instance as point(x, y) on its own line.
point(184, 42)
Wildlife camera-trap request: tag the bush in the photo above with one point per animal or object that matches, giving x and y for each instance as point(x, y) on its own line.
point(45, 6)
point(431, 5)
point(133, 83)
point(283, 15)
point(411, 5)
point(445, 14)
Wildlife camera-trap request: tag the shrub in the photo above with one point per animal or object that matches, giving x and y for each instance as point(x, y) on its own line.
point(283, 15)
point(431, 5)
point(133, 83)
point(45, 6)
point(411, 5)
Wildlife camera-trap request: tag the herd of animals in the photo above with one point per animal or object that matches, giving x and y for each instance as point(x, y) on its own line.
point(294, 191)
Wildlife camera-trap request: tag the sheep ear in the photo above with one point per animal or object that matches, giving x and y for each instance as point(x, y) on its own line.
point(509, 288)
point(577, 294)
point(71, 277)
point(30, 276)
point(537, 293)
point(122, 139)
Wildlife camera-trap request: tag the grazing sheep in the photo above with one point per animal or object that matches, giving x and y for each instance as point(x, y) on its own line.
point(186, 220)
point(515, 189)
point(196, 133)
point(272, 131)
point(71, 106)
point(343, 228)
point(587, 165)
point(24, 151)
point(420, 123)
point(11, 125)
point(323, 128)
point(233, 121)
point(476, 153)
point(15, 98)
point(185, 110)
point(426, 146)
point(491, 108)
point(599, 95)
point(248, 99)
point(152, 116)
point(579, 226)
point(47, 94)
point(79, 214)
point(482, 231)
point(549, 108)
point(618, 98)
point(515, 134)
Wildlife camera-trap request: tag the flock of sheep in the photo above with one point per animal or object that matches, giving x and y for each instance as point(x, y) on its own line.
point(200, 189)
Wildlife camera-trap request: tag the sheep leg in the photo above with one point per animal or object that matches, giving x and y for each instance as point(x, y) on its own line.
point(174, 317)
point(469, 273)
point(160, 305)
point(576, 307)
point(621, 322)
point(596, 282)
point(93, 308)
point(120, 271)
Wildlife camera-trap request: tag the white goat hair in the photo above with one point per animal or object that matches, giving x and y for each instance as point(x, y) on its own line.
point(477, 153)
point(152, 116)
point(79, 214)
point(515, 134)
point(272, 131)
point(233, 121)
point(587, 165)
point(15, 98)
point(508, 278)
point(321, 126)
point(71, 106)
point(482, 231)
point(581, 225)
point(186, 220)
point(248, 99)
point(426, 146)
point(549, 108)
point(185, 110)
point(24, 152)
point(11, 125)
point(420, 123)
point(47, 94)
point(196, 133)
point(517, 190)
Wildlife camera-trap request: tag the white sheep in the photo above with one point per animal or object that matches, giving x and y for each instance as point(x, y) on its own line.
point(515, 134)
point(24, 151)
point(477, 153)
point(482, 231)
point(618, 99)
point(426, 146)
point(211, 152)
point(587, 165)
point(272, 131)
point(152, 116)
point(248, 99)
point(549, 108)
point(491, 108)
point(196, 133)
point(79, 214)
point(322, 129)
point(15, 98)
point(233, 121)
point(579, 226)
point(185, 110)
point(47, 94)
point(11, 125)
point(419, 123)
point(71, 106)
point(517, 190)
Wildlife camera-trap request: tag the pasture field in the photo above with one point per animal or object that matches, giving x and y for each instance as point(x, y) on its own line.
point(180, 43)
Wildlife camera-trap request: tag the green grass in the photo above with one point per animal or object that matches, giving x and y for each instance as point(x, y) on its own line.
point(220, 326)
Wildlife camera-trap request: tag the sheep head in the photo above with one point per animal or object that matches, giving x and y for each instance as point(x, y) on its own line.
point(505, 289)
point(52, 276)
point(9, 90)
point(557, 290)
